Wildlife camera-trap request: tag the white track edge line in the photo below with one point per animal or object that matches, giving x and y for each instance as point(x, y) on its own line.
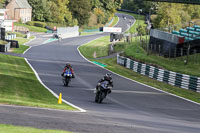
point(29, 41)
point(27, 49)
point(32, 107)
point(81, 110)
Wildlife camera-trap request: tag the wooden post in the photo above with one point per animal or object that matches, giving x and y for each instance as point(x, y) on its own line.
point(175, 54)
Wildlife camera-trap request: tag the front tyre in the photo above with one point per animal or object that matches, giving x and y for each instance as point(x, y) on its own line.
point(97, 96)
point(67, 79)
point(100, 97)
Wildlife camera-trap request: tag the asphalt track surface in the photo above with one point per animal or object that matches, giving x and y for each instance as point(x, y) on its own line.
point(130, 108)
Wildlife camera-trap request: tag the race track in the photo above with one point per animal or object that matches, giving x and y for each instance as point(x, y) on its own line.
point(130, 108)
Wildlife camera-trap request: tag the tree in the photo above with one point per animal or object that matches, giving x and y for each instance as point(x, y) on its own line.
point(135, 5)
point(55, 11)
point(63, 15)
point(39, 9)
point(104, 9)
point(167, 15)
point(81, 10)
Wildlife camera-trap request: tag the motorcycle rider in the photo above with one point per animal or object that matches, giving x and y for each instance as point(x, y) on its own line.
point(108, 78)
point(68, 66)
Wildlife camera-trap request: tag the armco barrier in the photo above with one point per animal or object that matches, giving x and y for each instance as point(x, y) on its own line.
point(173, 78)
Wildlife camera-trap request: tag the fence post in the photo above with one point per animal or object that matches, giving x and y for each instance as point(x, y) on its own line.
point(188, 52)
point(195, 56)
point(182, 53)
point(159, 49)
point(175, 54)
point(169, 53)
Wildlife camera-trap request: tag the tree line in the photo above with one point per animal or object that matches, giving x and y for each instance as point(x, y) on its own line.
point(72, 12)
point(165, 14)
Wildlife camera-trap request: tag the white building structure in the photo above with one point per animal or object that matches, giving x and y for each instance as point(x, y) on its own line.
point(4, 22)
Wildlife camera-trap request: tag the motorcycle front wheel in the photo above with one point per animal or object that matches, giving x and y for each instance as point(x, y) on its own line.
point(101, 97)
point(66, 81)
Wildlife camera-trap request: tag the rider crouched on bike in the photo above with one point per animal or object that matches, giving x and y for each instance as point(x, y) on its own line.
point(108, 78)
point(68, 66)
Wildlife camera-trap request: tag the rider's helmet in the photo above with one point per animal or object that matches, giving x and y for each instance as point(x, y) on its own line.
point(68, 65)
point(108, 76)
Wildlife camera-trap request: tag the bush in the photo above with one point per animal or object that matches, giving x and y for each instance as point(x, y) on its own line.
point(31, 23)
point(3, 42)
point(37, 23)
point(40, 24)
point(55, 24)
point(18, 34)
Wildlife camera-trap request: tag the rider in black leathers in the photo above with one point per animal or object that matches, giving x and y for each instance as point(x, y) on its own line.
point(108, 78)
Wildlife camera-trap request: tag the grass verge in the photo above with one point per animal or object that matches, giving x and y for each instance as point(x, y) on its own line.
point(96, 48)
point(88, 49)
point(19, 129)
point(19, 85)
point(114, 22)
point(32, 28)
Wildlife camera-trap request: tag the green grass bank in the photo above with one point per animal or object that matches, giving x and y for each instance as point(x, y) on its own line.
point(19, 129)
point(19, 85)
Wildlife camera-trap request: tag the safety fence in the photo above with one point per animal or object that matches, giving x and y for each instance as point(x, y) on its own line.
point(173, 78)
point(10, 36)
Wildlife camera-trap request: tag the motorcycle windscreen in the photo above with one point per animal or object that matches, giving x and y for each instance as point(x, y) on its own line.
point(104, 84)
point(68, 73)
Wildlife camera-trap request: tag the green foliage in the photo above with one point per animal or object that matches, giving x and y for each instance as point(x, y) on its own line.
point(98, 48)
point(55, 11)
point(19, 34)
point(32, 28)
point(141, 29)
point(37, 23)
point(39, 8)
point(80, 10)
point(3, 42)
point(40, 24)
point(3, 3)
point(73, 12)
point(31, 23)
point(104, 9)
point(135, 5)
point(54, 24)
point(166, 14)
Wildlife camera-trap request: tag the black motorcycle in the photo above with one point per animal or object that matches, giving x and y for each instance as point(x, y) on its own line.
point(102, 90)
point(67, 75)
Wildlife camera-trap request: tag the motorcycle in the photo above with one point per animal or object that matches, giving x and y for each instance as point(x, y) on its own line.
point(67, 77)
point(102, 90)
